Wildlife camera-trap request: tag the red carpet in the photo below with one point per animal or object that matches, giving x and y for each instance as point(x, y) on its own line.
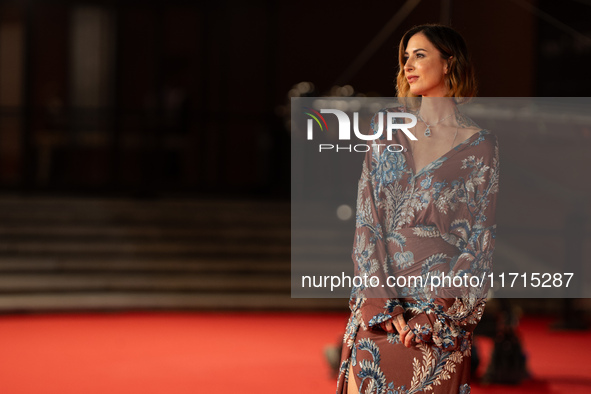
point(221, 353)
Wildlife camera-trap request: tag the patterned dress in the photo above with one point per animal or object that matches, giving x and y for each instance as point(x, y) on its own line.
point(437, 221)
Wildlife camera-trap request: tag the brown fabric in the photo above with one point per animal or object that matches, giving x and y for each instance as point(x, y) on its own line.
point(437, 221)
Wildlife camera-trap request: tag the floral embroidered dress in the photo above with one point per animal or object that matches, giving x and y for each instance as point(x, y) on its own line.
point(439, 221)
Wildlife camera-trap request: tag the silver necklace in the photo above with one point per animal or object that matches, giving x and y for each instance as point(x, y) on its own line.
point(428, 129)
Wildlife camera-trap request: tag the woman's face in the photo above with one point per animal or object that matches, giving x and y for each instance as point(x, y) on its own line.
point(424, 69)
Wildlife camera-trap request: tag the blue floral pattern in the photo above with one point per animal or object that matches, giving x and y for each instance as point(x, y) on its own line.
point(437, 221)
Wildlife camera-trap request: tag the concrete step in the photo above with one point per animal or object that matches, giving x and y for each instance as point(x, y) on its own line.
point(100, 301)
point(94, 254)
point(69, 282)
point(197, 246)
point(137, 264)
point(161, 231)
point(212, 212)
point(101, 254)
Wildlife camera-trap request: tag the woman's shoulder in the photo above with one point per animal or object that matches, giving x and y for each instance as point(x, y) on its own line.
point(487, 136)
point(484, 142)
point(470, 128)
point(466, 133)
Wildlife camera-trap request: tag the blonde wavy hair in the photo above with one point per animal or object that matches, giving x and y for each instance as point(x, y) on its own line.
point(460, 80)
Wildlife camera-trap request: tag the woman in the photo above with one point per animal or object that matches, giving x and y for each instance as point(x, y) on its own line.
point(428, 210)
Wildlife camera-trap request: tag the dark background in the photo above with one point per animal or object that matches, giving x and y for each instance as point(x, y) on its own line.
point(145, 150)
point(191, 92)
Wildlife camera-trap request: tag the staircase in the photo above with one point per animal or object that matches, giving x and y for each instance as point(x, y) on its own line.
point(64, 254)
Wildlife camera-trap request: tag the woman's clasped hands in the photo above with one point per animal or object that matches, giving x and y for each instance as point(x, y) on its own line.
point(398, 324)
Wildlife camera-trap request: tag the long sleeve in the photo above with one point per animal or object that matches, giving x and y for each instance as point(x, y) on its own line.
point(369, 254)
point(449, 320)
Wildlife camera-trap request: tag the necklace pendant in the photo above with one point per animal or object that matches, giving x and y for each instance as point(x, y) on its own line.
point(427, 132)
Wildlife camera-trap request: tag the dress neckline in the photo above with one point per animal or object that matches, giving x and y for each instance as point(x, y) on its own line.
point(443, 157)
